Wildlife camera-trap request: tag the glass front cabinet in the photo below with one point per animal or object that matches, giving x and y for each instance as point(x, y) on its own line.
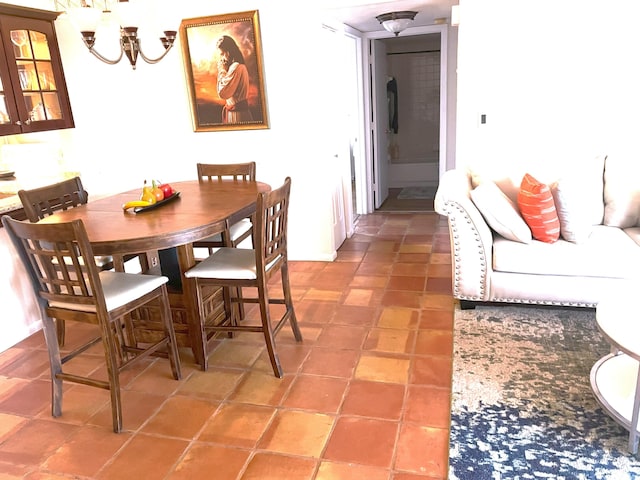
point(33, 93)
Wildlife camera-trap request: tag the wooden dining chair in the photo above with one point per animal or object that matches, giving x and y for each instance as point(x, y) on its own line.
point(44, 201)
point(240, 229)
point(237, 230)
point(41, 202)
point(234, 268)
point(78, 291)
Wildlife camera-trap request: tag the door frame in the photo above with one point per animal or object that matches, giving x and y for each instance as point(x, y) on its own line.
point(358, 148)
point(378, 131)
point(367, 158)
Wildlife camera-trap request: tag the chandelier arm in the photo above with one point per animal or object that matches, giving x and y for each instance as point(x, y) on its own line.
point(167, 43)
point(104, 59)
point(153, 60)
point(89, 41)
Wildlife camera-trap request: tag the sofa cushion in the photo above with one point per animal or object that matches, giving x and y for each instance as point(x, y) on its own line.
point(500, 212)
point(608, 252)
point(621, 191)
point(538, 209)
point(584, 188)
point(571, 198)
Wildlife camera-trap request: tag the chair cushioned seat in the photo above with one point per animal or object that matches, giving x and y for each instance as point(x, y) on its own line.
point(235, 263)
point(119, 289)
point(235, 231)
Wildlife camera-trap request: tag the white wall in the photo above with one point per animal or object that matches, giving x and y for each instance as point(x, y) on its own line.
point(136, 125)
point(558, 81)
point(141, 120)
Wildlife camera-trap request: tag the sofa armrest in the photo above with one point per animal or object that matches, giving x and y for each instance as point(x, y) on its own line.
point(471, 238)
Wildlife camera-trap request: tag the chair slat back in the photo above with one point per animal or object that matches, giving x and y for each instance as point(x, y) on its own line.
point(44, 201)
point(59, 260)
point(235, 171)
point(272, 212)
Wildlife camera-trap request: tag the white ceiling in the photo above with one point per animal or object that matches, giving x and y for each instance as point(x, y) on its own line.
point(358, 14)
point(361, 14)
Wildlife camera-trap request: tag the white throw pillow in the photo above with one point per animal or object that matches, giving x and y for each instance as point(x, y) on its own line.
point(500, 212)
point(571, 198)
point(622, 190)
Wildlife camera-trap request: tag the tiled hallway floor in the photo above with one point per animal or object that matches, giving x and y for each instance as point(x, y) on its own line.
point(365, 396)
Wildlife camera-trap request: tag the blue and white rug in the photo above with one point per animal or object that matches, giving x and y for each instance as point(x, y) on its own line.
point(522, 404)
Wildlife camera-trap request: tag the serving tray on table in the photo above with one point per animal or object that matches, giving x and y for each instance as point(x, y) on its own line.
point(157, 204)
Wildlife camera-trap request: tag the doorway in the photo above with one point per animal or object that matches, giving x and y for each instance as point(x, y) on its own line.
point(418, 158)
point(413, 91)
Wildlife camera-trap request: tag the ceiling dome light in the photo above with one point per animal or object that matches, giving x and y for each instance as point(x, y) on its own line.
point(395, 22)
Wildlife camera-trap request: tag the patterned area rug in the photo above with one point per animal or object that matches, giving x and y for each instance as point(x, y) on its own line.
point(418, 193)
point(522, 404)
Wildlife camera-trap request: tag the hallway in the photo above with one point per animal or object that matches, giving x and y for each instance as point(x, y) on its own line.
point(365, 396)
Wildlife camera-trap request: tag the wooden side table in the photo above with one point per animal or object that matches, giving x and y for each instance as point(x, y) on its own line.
point(615, 378)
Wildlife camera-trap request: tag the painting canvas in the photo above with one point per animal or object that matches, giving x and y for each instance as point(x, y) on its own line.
point(223, 62)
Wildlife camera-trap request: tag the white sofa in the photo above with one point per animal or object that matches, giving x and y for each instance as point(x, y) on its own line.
point(487, 267)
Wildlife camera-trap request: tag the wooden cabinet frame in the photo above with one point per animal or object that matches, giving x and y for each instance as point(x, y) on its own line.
point(21, 119)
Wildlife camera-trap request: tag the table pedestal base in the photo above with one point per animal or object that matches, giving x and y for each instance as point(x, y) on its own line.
point(616, 385)
point(148, 329)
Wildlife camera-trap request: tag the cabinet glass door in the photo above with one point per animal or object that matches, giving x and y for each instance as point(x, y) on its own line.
point(35, 71)
point(33, 93)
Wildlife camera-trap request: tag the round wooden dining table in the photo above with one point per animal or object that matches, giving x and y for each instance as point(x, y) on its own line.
point(163, 236)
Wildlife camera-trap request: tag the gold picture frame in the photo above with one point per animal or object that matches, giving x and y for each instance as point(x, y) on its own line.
point(223, 63)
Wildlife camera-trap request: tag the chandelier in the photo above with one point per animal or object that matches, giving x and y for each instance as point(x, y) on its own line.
point(395, 22)
point(87, 17)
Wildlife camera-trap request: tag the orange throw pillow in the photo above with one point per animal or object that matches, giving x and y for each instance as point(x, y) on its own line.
point(538, 210)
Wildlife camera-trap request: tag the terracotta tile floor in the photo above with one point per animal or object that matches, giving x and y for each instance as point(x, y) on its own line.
point(365, 396)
